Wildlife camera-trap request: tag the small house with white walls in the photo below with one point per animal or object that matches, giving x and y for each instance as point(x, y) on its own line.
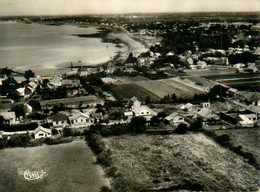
point(175, 119)
point(142, 110)
point(41, 132)
point(205, 104)
point(80, 119)
point(59, 120)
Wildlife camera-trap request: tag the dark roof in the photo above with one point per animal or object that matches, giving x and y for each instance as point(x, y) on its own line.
point(59, 117)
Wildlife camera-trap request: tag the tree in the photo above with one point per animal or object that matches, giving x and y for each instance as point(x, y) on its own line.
point(19, 110)
point(1, 119)
point(161, 115)
point(137, 124)
point(105, 189)
point(182, 128)
point(155, 120)
point(6, 71)
point(28, 74)
point(148, 100)
point(224, 140)
point(14, 96)
point(174, 98)
point(54, 132)
point(131, 59)
point(35, 105)
point(196, 125)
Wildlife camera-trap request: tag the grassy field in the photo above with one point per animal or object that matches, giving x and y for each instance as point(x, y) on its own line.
point(68, 167)
point(127, 91)
point(182, 87)
point(249, 139)
point(211, 70)
point(174, 162)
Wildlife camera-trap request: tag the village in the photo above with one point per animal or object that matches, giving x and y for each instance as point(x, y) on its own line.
point(167, 85)
point(87, 96)
point(176, 107)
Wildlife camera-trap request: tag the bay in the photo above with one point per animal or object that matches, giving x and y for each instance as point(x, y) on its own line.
point(48, 49)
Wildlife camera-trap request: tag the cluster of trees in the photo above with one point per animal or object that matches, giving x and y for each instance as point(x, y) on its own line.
point(217, 93)
point(187, 38)
point(16, 141)
point(93, 84)
point(21, 127)
point(195, 126)
point(245, 57)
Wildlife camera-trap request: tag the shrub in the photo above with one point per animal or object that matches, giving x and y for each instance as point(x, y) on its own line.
point(196, 125)
point(182, 128)
point(137, 125)
point(223, 140)
point(105, 189)
point(67, 132)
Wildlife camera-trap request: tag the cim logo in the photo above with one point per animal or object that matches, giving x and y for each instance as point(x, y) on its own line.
point(32, 175)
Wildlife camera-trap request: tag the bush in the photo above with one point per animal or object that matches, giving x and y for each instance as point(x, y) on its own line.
point(116, 129)
point(50, 141)
point(223, 140)
point(16, 141)
point(196, 125)
point(182, 128)
point(105, 189)
point(137, 125)
point(67, 132)
point(54, 132)
point(95, 142)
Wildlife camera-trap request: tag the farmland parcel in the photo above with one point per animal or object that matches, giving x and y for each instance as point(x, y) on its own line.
point(191, 162)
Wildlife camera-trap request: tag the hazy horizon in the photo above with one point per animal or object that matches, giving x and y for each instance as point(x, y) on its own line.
point(82, 7)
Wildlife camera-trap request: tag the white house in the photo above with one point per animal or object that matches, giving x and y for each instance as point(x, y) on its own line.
point(55, 81)
point(205, 104)
point(41, 132)
point(251, 117)
point(244, 121)
point(80, 119)
point(175, 119)
point(189, 107)
point(142, 110)
point(59, 120)
point(254, 109)
point(206, 113)
point(9, 116)
point(201, 64)
point(28, 109)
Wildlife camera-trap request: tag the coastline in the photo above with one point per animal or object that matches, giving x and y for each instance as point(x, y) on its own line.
point(117, 45)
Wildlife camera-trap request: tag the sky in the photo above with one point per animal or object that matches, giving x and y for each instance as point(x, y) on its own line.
point(73, 7)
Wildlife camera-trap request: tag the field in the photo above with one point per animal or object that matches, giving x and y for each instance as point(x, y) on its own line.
point(68, 167)
point(128, 90)
point(177, 162)
point(249, 139)
point(182, 87)
point(240, 81)
point(211, 70)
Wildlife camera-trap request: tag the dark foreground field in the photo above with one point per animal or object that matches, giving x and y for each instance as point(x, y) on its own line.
point(177, 162)
point(68, 167)
point(248, 139)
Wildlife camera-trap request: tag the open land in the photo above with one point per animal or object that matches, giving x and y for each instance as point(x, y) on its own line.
point(173, 162)
point(68, 167)
point(128, 90)
point(151, 61)
point(248, 139)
